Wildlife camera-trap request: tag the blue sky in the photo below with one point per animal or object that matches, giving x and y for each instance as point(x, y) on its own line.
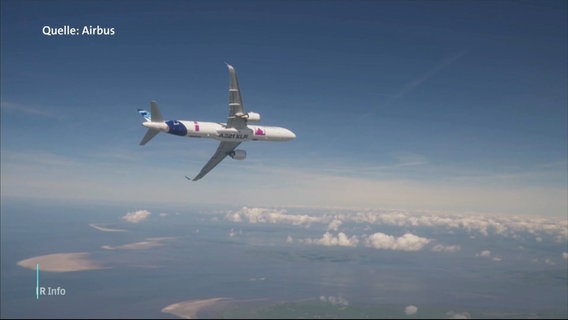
point(452, 106)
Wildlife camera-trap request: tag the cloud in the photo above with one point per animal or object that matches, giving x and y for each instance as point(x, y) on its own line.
point(506, 226)
point(336, 301)
point(417, 81)
point(446, 248)
point(565, 255)
point(328, 239)
point(334, 225)
point(410, 310)
point(485, 253)
point(29, 109)
point(257, 279)
point(234, 233)
point(407, 242)
point(137, 216)
point(332, 219)
point(273, 216)
point(289, 239)
point(458, 315)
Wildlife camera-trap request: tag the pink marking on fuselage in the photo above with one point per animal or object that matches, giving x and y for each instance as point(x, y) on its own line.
point(259, 132)
point(196, 126)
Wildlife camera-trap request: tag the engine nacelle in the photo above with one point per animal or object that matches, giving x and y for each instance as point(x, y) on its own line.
point(252, 117)
point(238, 154)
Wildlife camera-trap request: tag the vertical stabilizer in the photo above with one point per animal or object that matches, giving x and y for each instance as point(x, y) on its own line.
point(155, 112)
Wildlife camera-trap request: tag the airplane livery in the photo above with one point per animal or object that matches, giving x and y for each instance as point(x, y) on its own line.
point(230, 134)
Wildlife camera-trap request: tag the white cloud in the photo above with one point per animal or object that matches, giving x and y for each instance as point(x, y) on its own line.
point(520, 228)
point(407, 242)
point(489, 255)
point(446, 248)
point(234, 233)
point(506, 226)
point(565, 255)
point(235, 217)
point(273, 216)
point(458, 315)
point(334, 225)
point(410, 310)
point(484, 253)
point(29, 109)
point(337, 301)
point(330, 240)
point(137, 216)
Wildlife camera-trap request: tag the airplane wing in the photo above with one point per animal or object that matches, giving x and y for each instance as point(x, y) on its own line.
point(224, 149)
point(236, 108)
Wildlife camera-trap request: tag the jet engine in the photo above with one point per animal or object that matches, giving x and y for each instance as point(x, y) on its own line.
point(238, 154)
point(253, 117)
point(249, 116)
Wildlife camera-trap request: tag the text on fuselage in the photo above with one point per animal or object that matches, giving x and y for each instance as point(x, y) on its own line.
point(233, 136)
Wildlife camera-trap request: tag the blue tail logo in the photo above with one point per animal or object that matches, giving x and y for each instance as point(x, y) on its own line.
point(147, 116)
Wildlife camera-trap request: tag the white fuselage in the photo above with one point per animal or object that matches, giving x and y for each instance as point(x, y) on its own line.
point(218, 131)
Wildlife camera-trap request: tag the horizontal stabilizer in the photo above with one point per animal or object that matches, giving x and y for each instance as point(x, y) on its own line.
point(151, 133)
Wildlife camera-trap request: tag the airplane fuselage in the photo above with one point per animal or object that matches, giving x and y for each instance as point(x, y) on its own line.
point(218, 131)
point(240, 126)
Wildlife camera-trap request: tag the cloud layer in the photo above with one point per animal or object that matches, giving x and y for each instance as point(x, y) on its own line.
point(474, 224)
point(400, 230)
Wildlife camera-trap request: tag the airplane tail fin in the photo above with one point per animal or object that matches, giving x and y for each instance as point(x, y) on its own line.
point(153, 116)
point(147, 116)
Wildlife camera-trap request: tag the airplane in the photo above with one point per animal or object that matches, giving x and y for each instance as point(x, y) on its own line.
point(230, 134)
